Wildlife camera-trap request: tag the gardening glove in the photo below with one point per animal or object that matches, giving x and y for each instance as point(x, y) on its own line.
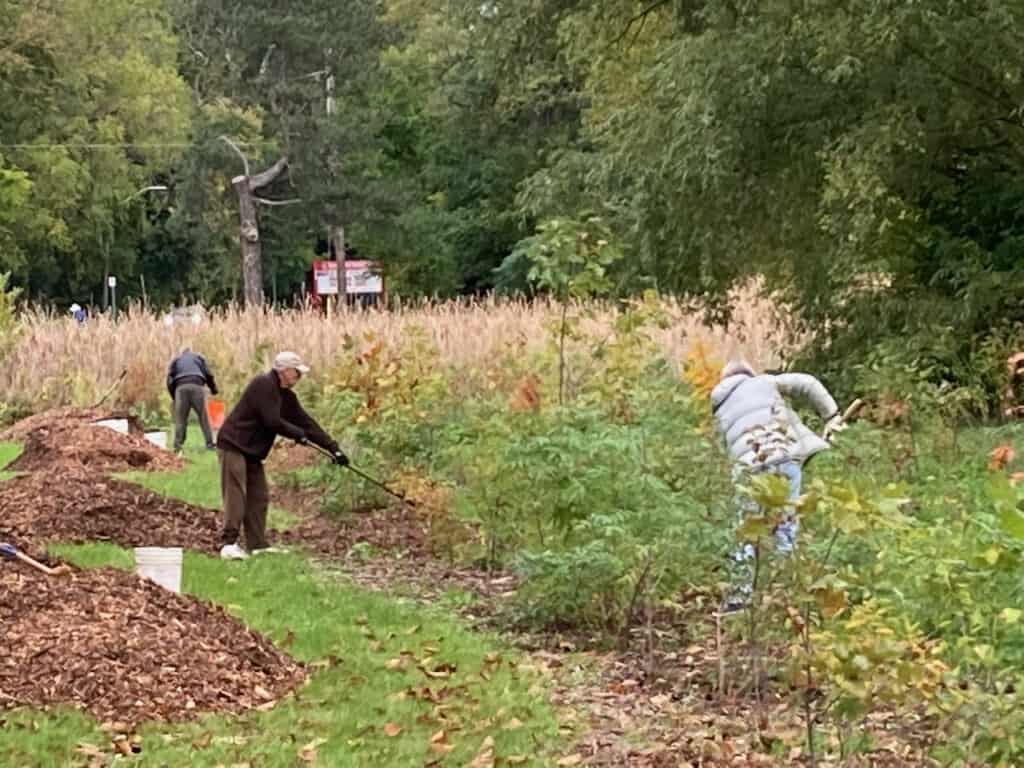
point(340, 458)
point(834, 426)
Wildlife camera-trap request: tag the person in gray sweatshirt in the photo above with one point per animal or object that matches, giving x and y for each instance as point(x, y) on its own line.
point(764, 435)
point(188, 377)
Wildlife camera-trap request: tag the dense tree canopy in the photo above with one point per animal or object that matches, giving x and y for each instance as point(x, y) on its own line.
point(862, 156)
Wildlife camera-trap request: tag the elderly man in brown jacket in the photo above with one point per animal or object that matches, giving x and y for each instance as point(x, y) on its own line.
point(267, 408)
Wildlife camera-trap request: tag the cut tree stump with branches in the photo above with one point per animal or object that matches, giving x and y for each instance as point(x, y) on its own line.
point(246, 187)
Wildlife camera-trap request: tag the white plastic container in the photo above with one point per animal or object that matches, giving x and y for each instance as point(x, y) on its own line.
point(118, 425)
point(160, 564)
point(159, 439)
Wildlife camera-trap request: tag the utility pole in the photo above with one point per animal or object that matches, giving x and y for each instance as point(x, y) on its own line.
point(335, 232)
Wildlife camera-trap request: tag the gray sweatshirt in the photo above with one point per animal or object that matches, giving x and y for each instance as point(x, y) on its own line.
point(758, 427)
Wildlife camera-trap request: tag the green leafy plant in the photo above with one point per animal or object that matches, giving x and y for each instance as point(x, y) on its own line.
point(571, 259)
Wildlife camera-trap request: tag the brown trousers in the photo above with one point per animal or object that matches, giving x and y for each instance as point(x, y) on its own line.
point(244, 492)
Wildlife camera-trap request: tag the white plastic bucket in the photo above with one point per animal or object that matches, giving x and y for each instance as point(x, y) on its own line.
point(160, 564)
point(159, 439)
point(118, 425)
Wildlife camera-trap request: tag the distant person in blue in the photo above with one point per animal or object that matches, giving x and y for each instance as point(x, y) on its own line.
point(188, 377)
point(78, 313)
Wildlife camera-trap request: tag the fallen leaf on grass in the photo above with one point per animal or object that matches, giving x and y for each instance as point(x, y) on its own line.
point(202, 742)
point(400, 662)
point(516, 759)
point(514, 724)
point(570, 760)
point(126, 747)
point(89, 750)
point(485, 757)
point(439, 743)
point(308, 752)
point(441, 671)
point(1000, 457)
point(392, 729)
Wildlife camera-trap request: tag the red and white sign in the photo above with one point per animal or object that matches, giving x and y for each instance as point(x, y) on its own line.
point(361, 277)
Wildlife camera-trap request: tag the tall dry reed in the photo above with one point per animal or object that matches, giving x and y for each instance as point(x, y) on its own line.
point(56, 362)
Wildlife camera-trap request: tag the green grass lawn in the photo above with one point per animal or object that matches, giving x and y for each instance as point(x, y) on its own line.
point(8, 453)
point(355, 697)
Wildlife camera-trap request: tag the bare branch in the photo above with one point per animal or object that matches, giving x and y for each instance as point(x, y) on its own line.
point(264, 201)
point(265, 64)
point(238, 152)
point(267, 176)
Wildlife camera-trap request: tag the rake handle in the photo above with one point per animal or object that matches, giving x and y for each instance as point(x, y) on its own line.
point(366, 477)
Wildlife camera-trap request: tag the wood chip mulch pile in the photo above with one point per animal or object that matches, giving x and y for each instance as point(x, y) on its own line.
point(67, 416)
point(78, 506)
point(127, 650)
point(64, 446)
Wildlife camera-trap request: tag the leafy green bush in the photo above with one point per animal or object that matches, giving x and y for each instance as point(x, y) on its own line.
point(9, 327)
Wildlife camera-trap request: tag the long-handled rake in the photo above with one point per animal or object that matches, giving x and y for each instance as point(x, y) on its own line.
point(10, 552)
point(372, 480)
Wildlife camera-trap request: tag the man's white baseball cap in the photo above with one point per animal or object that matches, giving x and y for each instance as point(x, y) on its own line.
point(286, 360)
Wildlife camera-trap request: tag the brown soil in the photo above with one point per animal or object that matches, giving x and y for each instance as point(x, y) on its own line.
point(66, 446)
point(127, 650)
point(77, 506)
point(393, 529)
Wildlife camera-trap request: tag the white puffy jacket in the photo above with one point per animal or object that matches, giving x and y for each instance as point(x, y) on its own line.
point(758, 426)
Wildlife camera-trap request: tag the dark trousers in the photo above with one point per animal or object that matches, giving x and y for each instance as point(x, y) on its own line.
point(244, 492)
point(190, 397)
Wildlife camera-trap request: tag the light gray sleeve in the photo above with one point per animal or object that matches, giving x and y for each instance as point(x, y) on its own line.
point(805, 386)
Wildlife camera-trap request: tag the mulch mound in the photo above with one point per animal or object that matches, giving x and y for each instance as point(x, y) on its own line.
point(79, 506)
point(70, 445)
point(127, 650)
point(65, 417)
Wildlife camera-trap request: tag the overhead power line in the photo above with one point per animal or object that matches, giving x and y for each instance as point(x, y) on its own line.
point(137, 145)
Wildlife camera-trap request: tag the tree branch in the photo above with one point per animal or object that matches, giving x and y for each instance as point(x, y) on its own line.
point(265, 64)
point(642, 16)
point(267, 176)
point(264, 201)
point(230, 143)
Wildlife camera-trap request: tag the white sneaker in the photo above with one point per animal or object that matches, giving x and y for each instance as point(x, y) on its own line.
point(270, 551)
point(232, 552)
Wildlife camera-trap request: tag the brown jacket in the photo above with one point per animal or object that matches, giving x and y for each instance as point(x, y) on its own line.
point(265, 411)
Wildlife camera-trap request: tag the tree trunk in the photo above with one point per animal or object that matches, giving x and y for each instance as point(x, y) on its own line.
point(249, 227)
point(249, 236)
